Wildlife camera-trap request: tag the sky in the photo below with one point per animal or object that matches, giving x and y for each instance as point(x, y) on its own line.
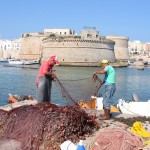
point(128, 18)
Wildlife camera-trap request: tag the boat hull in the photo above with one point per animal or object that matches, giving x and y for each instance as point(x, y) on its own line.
point(16, 62)
point(134, 108)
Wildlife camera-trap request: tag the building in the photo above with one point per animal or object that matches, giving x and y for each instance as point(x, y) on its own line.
point(60, 31)
point(147, 49)
point(136, 47)
point(10, 48)
point(86, 49)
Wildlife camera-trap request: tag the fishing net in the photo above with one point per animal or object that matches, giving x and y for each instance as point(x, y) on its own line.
point(44, 126)
point(79, 89)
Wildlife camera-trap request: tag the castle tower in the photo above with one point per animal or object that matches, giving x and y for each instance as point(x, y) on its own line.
point(121, 47)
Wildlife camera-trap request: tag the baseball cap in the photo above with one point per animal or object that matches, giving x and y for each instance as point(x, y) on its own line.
point(105, 61)
point(54, 58)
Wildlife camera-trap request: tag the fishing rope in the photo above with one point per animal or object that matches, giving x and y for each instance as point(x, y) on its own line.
point(77, 79)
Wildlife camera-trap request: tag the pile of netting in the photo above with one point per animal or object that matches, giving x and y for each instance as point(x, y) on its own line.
point(45, 126)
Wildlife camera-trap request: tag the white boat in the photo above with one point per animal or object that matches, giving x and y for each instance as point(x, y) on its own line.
point(23, 62)
point(134, 107)
point(3, 59)
point(31, 62)
point(15, 62)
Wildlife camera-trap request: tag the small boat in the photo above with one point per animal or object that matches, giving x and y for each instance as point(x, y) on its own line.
point(17, 98)
point(134, 107)
point(140, 65)
point(15, 62)
point(145, 62)
point(31, 62)
point(3, 60)
point(23, 62)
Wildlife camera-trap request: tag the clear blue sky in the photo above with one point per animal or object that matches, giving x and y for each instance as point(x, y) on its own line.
point(110, 17)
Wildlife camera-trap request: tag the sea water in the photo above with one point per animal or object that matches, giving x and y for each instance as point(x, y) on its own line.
point(21, 81)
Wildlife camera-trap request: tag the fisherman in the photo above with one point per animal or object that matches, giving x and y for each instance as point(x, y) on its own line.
point(110, 87)
point(45, 78)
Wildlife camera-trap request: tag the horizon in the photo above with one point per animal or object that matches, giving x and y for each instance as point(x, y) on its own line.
point(117, 18)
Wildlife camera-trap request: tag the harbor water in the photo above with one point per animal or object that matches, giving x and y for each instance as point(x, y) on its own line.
point(21, 81)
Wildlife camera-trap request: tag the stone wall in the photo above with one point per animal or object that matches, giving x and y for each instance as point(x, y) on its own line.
point(88, 49)
point(31, 47)
point(79, 52)
point(121, 47)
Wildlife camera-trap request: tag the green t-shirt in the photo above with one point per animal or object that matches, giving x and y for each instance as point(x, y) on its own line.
point(110, 75)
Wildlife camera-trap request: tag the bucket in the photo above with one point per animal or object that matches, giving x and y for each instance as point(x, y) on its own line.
point(99, 103)
point(68, 145)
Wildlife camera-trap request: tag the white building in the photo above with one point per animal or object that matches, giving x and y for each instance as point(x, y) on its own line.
point(60, 31)
point(10, 48)
point(136, 47)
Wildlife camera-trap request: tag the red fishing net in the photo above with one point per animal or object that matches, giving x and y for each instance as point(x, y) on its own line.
point(45, 126)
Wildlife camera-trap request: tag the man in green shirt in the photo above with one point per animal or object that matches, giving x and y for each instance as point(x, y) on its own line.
point(110, 87)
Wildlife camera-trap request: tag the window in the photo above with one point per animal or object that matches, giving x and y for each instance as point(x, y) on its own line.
point(88, 35)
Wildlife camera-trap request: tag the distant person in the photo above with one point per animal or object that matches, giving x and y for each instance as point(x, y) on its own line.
point(45, 78)
point(110, 87)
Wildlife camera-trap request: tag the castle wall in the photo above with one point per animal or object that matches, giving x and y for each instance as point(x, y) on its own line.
point(121, 47)
point(31, 47)
point(79, 52)
point(88, 49)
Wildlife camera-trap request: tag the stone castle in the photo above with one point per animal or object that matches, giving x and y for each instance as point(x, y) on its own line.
point(86, 49)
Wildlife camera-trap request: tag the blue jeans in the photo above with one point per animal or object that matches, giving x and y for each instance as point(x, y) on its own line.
point(44, 89)
point(108, 94)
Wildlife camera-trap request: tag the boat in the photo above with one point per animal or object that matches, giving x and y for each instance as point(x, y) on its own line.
point(17, 98)
point(15, 62)
point(134, 107)
point(23, 62)
point(31, 62)
point(140, 65)
point(3, 60)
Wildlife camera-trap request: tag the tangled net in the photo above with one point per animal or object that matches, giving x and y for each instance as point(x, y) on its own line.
point(45, 126)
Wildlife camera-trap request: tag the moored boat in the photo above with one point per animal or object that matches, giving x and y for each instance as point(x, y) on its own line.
point(134, 107)
point(3, 59)
point(31, 62)
point(15, 62)
point(23, 62)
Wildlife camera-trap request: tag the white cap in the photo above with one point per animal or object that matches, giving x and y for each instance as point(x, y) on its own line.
point(68, 145)
point(81, 142)
point(105, 61)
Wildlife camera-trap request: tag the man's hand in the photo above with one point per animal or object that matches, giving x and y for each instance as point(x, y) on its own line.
point(53, 75)
point(101, 81)
point(94, 74)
